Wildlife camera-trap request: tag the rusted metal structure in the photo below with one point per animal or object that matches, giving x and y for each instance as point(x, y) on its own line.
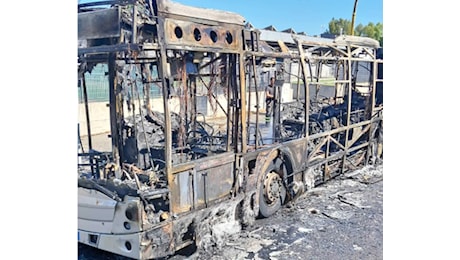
point(174, 167)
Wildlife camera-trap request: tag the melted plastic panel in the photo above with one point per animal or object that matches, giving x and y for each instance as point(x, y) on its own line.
point(94, 205)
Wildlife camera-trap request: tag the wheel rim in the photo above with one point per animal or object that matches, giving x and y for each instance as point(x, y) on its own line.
point(272, 188)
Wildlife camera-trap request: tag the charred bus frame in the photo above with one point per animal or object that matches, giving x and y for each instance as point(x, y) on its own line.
point(174, 165)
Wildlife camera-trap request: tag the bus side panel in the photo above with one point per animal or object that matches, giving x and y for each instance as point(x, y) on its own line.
point(214, 183)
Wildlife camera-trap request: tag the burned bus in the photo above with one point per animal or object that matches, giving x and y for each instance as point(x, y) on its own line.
point(189, 143)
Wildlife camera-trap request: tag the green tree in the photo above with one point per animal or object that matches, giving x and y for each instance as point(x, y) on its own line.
point(338, 26)
point(359, 29)
point(371, 30)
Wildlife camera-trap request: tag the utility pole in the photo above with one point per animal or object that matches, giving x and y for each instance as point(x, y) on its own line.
point(353, 19)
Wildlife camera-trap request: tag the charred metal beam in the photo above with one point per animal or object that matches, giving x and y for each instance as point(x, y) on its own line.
point(212, 94)
point(115, 116)
point(317, 148)
point(372, 103)
point(153, 194)
point(273, 54)
point(201, 49)
point(347, 131)
point(336, 142)
point(366, 129)
point(341, 129)
point(109, 49)
point(162, 70)
point(172, 9)
point(306, 87)
point(134, 25)
point(88, 124)
point(235, 101)
point(112, 2)
point(358, 147)
point(254, 71)
point(178, 168)
point(248, 122)
point(331, 158)
point(146, 79)
point(243, 112)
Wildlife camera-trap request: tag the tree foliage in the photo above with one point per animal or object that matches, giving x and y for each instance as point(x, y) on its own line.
point(371, 30)
point(339, 26)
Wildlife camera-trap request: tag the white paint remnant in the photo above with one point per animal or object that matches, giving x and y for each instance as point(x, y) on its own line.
point(357, 248)
point(298, 241)
point(305, 230)
point(275, 253)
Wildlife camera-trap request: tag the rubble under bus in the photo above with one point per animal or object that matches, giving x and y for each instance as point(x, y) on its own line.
point(190, 145)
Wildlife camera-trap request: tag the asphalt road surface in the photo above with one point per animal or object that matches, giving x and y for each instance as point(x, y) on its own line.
point(341, 219)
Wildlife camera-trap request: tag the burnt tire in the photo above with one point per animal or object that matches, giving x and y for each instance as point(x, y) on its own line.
point(269, 207)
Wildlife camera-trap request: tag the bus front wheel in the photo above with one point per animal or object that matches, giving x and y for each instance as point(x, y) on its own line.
point(272, 193)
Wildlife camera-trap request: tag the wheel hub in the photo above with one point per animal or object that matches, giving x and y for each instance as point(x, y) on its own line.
point(272, 187)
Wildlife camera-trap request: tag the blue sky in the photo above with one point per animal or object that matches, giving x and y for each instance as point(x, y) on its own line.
point(309, 16)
